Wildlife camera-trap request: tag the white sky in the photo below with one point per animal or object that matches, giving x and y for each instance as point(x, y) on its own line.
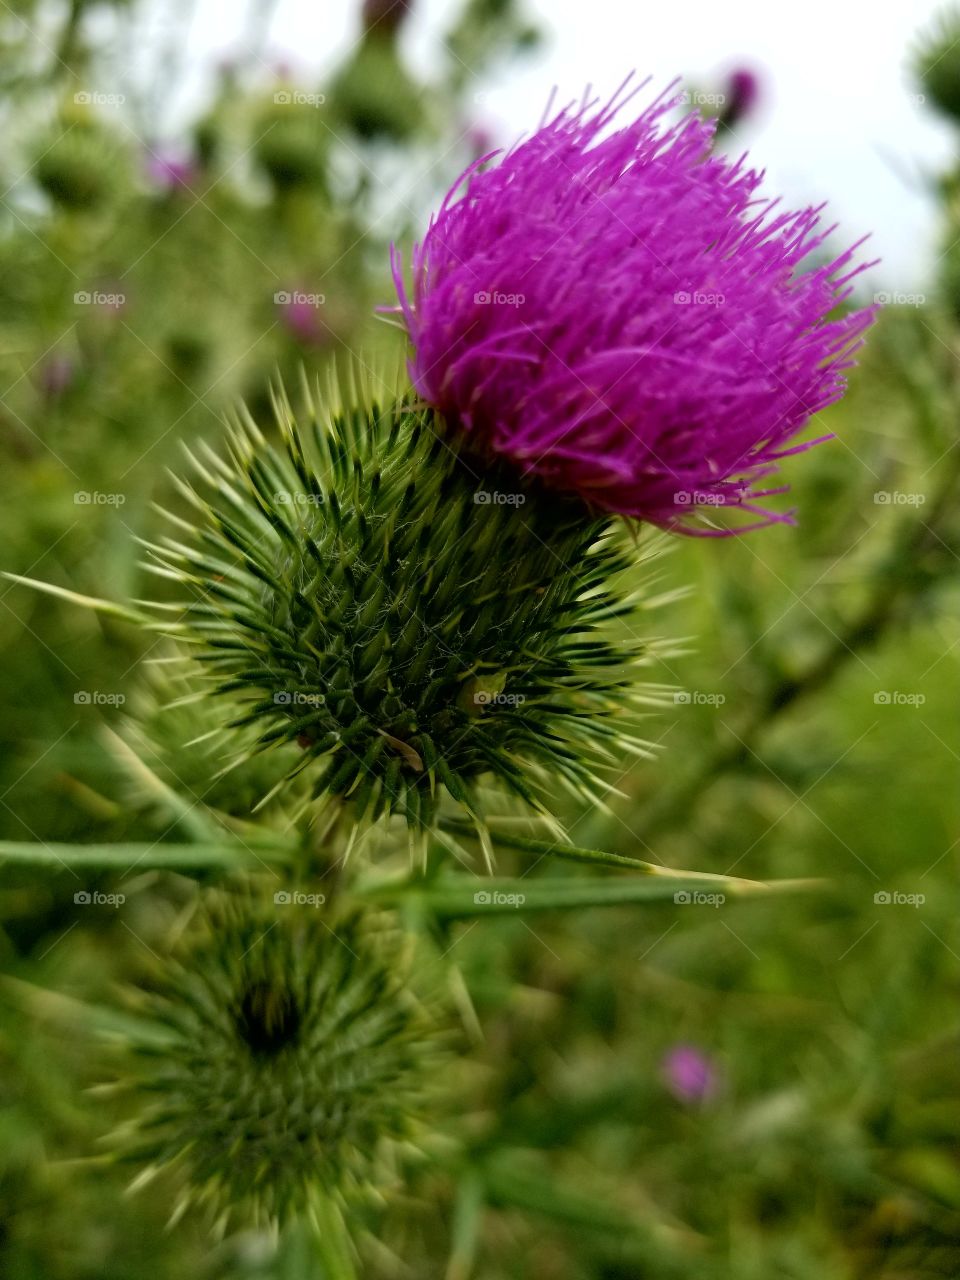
point(840, 121)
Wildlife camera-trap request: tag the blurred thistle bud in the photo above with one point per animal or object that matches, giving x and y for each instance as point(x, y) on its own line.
point(81, 167)
point(384, 17)
point(292, 140)
point(374, 96)
point(413, 626)
point(740, 99)
point(284, 1062)
point(936, 63)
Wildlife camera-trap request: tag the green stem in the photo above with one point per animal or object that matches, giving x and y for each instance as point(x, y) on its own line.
point(332, 1240)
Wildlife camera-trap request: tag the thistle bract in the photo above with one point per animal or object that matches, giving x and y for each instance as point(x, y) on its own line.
point(410, 625)
point(284, 1060)
point(620, 314)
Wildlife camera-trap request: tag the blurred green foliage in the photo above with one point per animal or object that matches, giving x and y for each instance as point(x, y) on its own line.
point(138, 300)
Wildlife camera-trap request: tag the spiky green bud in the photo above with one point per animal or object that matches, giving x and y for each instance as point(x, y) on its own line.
point(411, 624)
point(937, 63)
point(284, 1061)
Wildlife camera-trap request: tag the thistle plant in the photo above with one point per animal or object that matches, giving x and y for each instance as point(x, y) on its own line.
point(286, 1062)
point(410, 624)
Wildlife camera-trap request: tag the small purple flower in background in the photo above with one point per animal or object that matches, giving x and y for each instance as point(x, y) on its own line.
point(300, 316)
point(623, 316)
point(170, 171)
point(689, 1074)
point(741, 97)
point(56, 376)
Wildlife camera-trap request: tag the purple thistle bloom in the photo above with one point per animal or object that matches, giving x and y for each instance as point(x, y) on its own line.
point(689, 1074)
point(621, 315)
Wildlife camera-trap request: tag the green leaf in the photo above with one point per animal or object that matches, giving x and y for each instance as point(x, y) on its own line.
point(458, 897)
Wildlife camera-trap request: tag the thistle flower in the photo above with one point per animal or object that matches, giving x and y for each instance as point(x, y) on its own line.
point(410, 626)
point(621, 315)
point(284, 1060)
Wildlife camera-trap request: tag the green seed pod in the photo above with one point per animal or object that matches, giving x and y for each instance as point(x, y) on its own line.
point(285, 1063)
point(411, 624)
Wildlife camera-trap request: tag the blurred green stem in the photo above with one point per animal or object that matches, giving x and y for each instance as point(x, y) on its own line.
point(917, 540)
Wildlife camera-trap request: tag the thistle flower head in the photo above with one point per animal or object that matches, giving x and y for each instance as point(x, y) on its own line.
point(621, 315)
point(410, 626)
point(284, 1059)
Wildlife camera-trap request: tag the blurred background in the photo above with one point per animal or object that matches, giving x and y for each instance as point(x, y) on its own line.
point(197, 197)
